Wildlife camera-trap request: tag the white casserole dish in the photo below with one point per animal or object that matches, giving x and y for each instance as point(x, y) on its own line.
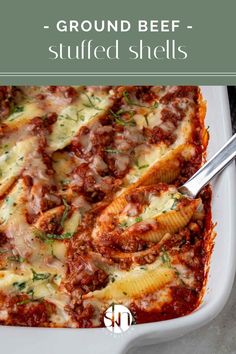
point(18, 340)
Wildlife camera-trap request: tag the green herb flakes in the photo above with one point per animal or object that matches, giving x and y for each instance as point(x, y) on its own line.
point(65, 213)
point(40, 276)
point(165, 258)
point(19, 285)
point(48, 238)
point(123, 225)
point(138, 219)
point(17, 259)
point(18, 109)
point(140, 167)
point(91, 102)
point(65, 236)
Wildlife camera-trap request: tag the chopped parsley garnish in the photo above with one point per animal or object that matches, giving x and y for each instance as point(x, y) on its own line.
point(30, 293)
point(19, 286)
point(117, 114)
point(64, 182)
point(24, 302)
point(182, 242)
point(165, 257)
point(91, 102)
point(155, 105)
point(65, 213)
point(31, 299)
point(113, 278)
point(119, 120)
point(66, 235)
point(138, 219)
point(16, 259)
point(80, 116)
point(48, 238)
point(143, 166)
point(18, 109)
point(123, 225)
point(131, 102)
point(131, 122)
point(15, 109)
point(57, 279)
point(27, 301)
point(40, 276)
point(128, 100)
point(140, 167)
point(174, 205)
point(146, 119)
point(67, 117)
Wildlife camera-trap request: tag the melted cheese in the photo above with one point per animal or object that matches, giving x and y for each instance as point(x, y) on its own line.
point(14, 222)
point(22, 236)
point(23, 282)
point(9, 205)
point(147, 156)
point(13, 161)
point(71, 224)
point(29, 111)
point(135, 283)
point(73, 117)
point(63, 164)
point(156, 205)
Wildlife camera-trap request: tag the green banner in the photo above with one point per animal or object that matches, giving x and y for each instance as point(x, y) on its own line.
point(117, 42)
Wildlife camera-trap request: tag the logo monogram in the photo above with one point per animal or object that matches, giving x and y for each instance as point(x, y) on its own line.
point(118, 319)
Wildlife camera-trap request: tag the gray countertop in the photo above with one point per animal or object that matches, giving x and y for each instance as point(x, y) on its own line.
point(219, 336)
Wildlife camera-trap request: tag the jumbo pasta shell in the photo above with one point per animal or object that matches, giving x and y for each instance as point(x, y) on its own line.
point(104, 222)
point(171, 222)
point(167, 169)
point(166, 174)
point(117, 205)
point(47, 217)
point(135, 285)
point(118, 255)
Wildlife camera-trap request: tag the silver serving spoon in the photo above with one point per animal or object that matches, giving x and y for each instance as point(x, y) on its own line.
point(212, 168)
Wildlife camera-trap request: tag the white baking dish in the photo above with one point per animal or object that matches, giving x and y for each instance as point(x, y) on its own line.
point(16, 340)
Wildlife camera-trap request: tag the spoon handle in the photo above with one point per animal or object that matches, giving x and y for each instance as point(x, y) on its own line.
point(213, 167)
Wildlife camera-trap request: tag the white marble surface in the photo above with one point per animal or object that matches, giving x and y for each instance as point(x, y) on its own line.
point(218, 337)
